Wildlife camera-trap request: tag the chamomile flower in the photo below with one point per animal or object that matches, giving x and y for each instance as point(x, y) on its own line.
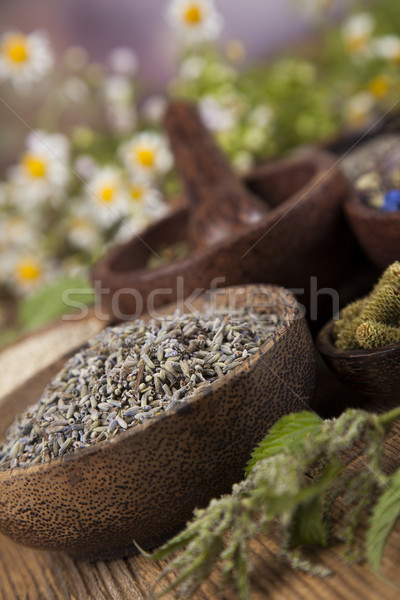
point(18, 232)
point(42, 173)
point(28, 271)
point(148, 198)
point(196, 20)
point(357, 33)
point(387, 47)
point(147, 155)
point(108, 197)
point(358, 110)
point(82, 231)
point(24, 59)
point(379, 86)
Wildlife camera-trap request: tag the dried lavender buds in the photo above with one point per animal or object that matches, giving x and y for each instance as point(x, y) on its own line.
point(127, 375)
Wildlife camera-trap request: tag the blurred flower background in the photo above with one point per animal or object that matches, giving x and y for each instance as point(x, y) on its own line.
point(84, 163)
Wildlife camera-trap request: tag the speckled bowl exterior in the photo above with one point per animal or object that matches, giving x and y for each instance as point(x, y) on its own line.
point(377, 231)
point(372, 373)
point(303, 235)
point(144, 484)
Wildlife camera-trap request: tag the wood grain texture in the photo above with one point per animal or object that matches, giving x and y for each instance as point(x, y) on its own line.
point(27, 574)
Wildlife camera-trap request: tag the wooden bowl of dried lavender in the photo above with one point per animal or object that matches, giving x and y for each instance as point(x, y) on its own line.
point(152, 419)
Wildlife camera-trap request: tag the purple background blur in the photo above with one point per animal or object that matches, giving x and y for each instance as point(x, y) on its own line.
point(101, 25)
point(265, 27)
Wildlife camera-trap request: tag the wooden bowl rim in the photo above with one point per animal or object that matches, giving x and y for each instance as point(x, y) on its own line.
point(326, 346)
point(290, 312)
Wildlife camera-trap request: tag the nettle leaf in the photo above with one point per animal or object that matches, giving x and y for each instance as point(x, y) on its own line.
point(287, 433)
point(48, 302)
point(308, 527)
point(384, 517)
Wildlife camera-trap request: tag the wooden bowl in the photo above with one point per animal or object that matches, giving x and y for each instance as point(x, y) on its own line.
point(304, 236)
point(144, 484)
point(372, 373)
point(377, 231)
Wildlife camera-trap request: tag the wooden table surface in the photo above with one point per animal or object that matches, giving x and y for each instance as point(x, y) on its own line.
point(27, 574)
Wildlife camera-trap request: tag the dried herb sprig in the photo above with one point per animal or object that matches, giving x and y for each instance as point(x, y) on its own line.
point(293, 478)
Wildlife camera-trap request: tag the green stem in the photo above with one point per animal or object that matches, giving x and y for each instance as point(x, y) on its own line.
point(388, 418)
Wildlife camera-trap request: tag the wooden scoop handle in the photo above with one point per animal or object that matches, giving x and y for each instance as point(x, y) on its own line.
point(221, 206)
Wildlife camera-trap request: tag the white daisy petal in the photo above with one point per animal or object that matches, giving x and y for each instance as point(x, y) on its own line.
point(83, 232)
point(24, 59)
point(107, 195)
point(196, 20)
point(42, 173)
point(27, 270)
point(357, 33)
point(147, 155)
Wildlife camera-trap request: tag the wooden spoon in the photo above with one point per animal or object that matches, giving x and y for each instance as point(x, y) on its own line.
point(144, 484)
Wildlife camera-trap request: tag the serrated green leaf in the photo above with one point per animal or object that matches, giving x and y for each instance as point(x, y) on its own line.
point(48, 302)
point(279, 504)
point(384, 517)
point(286, 433)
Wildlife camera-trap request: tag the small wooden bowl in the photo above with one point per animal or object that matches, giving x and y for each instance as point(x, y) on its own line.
point(372, 373)
point(377, 231)
point(144, 484)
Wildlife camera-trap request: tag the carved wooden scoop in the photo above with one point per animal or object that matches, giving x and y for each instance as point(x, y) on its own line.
point(221, 206)
point(283, 224)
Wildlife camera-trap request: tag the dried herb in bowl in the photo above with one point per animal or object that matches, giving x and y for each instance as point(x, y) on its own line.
point(129, 374)
point(373, 321)
point(374, 170)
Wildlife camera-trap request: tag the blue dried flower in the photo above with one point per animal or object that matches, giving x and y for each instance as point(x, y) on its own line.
point(391, 200)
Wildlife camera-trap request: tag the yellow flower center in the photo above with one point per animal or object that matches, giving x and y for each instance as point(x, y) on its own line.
point(107, 193)
point(357, 43)
point(28, 270)
point(193, 14)
point(145, 157)
point(15, 49)
point(379, 86)
point(136, 192)
point(34, 166)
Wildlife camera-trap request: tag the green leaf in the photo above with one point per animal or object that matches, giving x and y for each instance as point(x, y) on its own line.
point(308, 527)
point(176, 543)
point(52, 301)
point(384, 517)
point(287, 433)
point(241, 575)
